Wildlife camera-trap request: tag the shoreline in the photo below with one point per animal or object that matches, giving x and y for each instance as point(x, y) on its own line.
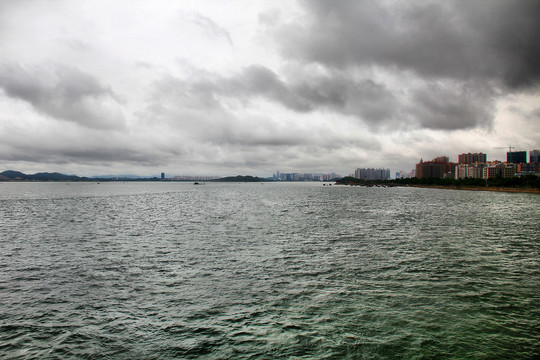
point(481, 188)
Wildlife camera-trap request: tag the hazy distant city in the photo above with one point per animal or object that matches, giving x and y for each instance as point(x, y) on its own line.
point(468, 165)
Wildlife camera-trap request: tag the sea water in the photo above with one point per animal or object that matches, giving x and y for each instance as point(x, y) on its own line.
point(162, 270)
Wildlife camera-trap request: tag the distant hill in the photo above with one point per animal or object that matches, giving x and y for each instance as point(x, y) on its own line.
point(240, 178)
point(55, 177)
point(11, 175)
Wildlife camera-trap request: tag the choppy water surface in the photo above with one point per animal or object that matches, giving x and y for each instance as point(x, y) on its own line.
point(172, 270)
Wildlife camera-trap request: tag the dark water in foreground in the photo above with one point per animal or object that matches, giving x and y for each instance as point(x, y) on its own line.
point(171, 270)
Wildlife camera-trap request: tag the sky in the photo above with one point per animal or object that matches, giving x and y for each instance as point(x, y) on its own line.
point(253, 87)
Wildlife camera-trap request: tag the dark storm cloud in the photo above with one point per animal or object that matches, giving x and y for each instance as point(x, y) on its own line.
point(198, 102)
point(444, 105)
point(261, 81)
point(492, 39)
point(64, 93)
point(365, 99)
point(451, 107)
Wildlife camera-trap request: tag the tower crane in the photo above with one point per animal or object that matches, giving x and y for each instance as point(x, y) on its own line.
point(503, 147)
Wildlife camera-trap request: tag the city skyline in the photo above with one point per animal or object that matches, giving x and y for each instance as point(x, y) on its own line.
point(531, 155)
point(468, 158)
point(199, 87)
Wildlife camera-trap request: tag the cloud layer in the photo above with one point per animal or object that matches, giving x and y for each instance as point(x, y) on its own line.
point(481, 40)
point(64, 93)
point(94, 87)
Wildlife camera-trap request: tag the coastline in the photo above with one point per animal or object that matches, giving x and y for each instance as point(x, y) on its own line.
point(481, 188)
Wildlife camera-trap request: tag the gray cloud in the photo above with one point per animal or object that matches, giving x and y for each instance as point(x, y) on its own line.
point(451, 107)
point(535, 114)
point(94, 155)
point(209, 26)
point(493, 39)
point(60, 143)
point(211, 109)
point(199, 102)
point(259, 81)
point(64, 93)
point(196, 109)
point(365, 99)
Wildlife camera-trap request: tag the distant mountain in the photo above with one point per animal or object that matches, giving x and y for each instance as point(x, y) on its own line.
point(11, 175)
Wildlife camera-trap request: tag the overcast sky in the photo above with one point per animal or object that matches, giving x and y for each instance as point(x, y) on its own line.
point(252, 87)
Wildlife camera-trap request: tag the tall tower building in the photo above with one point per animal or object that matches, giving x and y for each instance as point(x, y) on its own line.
point(534, 156)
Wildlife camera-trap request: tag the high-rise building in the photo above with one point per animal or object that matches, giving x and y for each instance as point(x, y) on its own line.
point(516, 157)
point(472, 158)
point(502, 170)
point(162, 176)
point(534, 156)
point(372, 174)
point(475, 171)
point(531, 167)
point(463, 171)
point(437, 168)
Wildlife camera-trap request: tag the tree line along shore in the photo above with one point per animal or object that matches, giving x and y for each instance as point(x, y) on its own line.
point(527, 183)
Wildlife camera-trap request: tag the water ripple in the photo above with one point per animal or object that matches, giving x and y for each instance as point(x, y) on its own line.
point(168, 270)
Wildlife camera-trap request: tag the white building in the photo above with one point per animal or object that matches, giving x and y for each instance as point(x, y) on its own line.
point(372, 174)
